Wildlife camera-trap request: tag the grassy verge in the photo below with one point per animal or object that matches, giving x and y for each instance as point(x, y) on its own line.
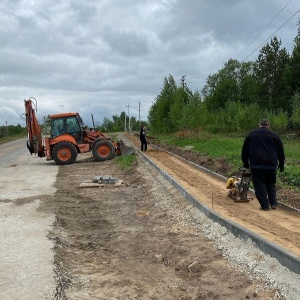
point(11, 138)
point(127, 161)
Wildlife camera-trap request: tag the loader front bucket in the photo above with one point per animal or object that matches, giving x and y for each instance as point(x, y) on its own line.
point(125, 150)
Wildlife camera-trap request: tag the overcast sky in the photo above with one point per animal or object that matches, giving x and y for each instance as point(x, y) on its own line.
point(99, 57)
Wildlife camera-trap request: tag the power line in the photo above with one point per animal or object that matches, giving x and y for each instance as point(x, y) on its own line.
point(271, 35)
point(263, 29)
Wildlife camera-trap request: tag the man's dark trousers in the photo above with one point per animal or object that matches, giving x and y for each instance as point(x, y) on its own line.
point(143, 145)
point(264, 181)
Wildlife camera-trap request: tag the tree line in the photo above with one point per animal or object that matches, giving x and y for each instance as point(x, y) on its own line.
point(118, 123)
point(12, 130)
point(237, 96)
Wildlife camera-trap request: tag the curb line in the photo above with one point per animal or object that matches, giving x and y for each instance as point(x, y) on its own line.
point(292, 262)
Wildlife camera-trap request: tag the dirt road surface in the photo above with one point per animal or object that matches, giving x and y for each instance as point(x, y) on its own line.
point(137, 240)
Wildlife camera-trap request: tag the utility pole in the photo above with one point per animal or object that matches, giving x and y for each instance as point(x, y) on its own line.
point(93, 122)
point(182, 81)
point(125, 120)
point(140, 113)
point(128, 117)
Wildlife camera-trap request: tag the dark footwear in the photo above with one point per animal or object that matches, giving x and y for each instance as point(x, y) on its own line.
point(265, 209)
point(274, 206)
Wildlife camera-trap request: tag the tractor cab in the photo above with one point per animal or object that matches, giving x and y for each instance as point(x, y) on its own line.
point(67, 123)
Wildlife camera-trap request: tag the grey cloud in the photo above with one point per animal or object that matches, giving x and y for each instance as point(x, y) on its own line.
point(110, 53)
point(126, 43)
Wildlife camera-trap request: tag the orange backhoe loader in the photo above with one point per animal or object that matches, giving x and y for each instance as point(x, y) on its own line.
point(68, 137)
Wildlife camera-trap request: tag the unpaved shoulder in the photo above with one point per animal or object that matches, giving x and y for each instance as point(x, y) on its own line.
point(135, 241)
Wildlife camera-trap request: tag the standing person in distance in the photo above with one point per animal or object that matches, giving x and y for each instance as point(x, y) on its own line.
point(263, 152)
point(143, 138)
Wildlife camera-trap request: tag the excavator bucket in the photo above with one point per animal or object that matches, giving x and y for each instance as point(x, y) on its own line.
point(126, 150)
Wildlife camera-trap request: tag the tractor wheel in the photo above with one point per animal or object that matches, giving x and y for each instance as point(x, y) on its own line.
point(103, 150)
point(64, 153)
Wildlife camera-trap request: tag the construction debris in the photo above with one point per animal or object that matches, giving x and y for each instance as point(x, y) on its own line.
point(101, 181)
point(105, 179)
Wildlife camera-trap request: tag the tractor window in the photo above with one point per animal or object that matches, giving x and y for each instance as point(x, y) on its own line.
point(73, 128)
point(66, 126)
point(72, 125)
point(57, 127)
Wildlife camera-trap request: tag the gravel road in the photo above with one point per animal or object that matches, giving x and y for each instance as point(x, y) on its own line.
point(26, 256)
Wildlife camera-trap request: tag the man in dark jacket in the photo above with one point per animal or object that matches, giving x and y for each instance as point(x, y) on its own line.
point(263, 152)
point(143, 138)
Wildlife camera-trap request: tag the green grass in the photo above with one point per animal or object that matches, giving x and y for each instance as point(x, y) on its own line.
point(9, 138)
point(127, 161)
point(229, 148)
point(213, 146)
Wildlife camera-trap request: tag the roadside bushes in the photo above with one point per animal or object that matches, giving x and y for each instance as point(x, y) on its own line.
point(234, 119)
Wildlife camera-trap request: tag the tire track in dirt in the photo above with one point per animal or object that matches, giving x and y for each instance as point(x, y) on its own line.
point(279, 226)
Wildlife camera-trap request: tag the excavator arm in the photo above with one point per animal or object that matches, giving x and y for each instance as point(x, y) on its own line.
point(35, 139)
